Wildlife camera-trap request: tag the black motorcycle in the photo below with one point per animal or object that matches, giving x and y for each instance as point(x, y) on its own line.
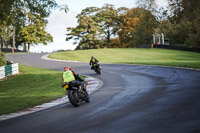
point(97, 69)
point(76, 94)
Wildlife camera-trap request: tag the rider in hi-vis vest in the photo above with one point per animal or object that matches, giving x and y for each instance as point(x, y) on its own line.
point(68, 76)
point(93, 62)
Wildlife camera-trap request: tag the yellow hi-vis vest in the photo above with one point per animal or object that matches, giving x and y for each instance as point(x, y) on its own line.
point(68, 76)
point(93, 60)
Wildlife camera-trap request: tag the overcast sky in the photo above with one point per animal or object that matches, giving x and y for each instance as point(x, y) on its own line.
point(59, 21)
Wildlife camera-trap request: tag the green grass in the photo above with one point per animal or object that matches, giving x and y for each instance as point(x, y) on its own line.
point(32, 87)
point(142, 56)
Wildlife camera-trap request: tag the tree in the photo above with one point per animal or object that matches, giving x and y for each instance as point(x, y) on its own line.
point(107, 21)
point(87, 33)
point(186, 18)
point(4, 33)
point(14, 15)
point(147, 4)
point(137, 27)
point(34, 32)
point(128, 24)
point(4, 28)
point(114, 43)
point(5, 7)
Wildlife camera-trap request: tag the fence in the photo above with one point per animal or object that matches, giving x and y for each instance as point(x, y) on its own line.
point(9, 50)
point(183, 48)
point(9, 70)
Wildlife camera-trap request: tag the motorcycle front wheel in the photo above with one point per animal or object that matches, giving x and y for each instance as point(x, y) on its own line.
point(73, 98)
point(99, 71)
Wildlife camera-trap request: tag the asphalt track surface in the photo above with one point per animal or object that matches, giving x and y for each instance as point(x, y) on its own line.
point(133, 99)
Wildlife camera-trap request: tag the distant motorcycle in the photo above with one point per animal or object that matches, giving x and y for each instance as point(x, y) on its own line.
point(75, 95)
point(97, 69)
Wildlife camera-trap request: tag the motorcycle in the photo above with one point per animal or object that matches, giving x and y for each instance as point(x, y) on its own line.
point(97, 69)
point(75, 94)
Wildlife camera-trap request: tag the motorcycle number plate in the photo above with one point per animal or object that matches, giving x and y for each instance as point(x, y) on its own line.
point(66, 86)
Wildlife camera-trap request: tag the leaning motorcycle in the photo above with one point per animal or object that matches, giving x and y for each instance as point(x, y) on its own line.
point(97, 69)
point(75, 94)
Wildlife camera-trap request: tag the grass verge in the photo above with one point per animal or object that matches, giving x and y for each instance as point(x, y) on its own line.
point(141, 56)
point(32, 87)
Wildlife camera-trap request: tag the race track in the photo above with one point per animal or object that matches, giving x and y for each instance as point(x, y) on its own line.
point(133, 99)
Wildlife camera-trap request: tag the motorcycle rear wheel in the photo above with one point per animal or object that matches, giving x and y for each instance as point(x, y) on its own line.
point(87, 100)
point(73, 98)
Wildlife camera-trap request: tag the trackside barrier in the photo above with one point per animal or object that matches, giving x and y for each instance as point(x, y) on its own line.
point(9, 70)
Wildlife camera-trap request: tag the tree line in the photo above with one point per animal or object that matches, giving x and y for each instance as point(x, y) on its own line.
point(127, 28)
point(23, 23)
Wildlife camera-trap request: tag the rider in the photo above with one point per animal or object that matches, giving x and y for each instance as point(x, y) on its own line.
point(70, 76)
point(93, 61)
point(76, 76)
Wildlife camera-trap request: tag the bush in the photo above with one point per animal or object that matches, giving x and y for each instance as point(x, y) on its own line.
point(2, 59)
